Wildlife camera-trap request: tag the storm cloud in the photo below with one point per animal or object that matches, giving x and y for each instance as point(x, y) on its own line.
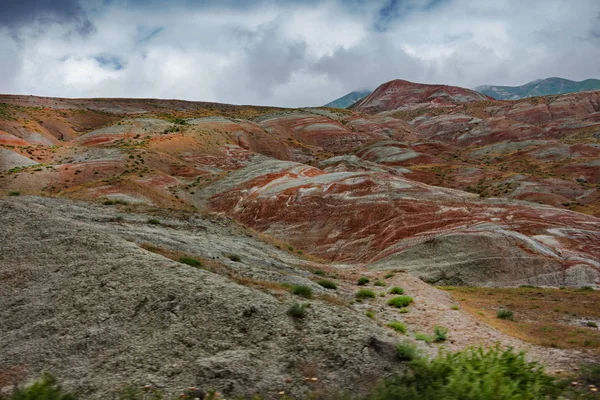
point(287, 53)
point(25, 13)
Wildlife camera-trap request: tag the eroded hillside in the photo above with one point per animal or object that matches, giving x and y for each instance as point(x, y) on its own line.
point(424, 186)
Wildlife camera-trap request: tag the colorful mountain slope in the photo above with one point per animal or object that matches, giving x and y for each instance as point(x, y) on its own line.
point(346, 185)
point(400, 93)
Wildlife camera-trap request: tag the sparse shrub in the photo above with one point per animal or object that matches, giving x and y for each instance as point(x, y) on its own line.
point(396, 290)
point(290, 247)
point(389, 275)
point(190, 261)
point(455, 307)
point(397, 326)
point(119, 218)
point(407, 351)
point(108, 202)
point(171, 129)
point(234, 257)
point(298, 310)
point(327, 284)
point(303, 291)
point(153, 221)
point(363, 281)
point(179, 121)
point(379, 283)
point(14, 193)
point(370, 314)
point(319, 272)
point(505, 314)
point(423, 337)
point(440, 334)
point(365, 294)
point(46, 388)
point(592, 324)
point(586, 289)
point(472, 374)
point(403, 310)
point(400, 301)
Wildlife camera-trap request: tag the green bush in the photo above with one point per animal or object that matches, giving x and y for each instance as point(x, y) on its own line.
point(396, 290)
point(440, 334)
point(397, 326)
point(234, 257)
point(370, 314)
point(362, 281)
point(46, 388)
point(298, 310)
point(153, 221)
point(407, 351)
point(14, 193)
point(319, 272)
point(400, 301)
point(379, 283)
point(301, 290)
point(505, 314)
point(423, 337)
point(327, 284)
point(190, 261)
point(473, 374)
point(389, 275)
point(365, 294)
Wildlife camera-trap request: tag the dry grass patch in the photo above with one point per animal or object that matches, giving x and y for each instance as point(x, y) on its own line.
point(219, 268)
point(548, 317)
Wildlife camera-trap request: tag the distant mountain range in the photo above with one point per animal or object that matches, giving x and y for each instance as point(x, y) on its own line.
point(349, 99)
point(540, 87)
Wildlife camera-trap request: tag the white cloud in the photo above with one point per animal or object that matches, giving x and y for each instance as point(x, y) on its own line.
point(299, 53)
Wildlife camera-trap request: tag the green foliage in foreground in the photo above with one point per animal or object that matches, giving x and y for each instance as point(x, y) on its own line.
point(47, 388)
point(472, 374)
point(407, 351)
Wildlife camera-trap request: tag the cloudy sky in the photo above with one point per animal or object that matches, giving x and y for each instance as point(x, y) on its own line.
point(287, 53)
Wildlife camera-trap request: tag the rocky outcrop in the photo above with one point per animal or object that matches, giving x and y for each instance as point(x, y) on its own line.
point(80, 296)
